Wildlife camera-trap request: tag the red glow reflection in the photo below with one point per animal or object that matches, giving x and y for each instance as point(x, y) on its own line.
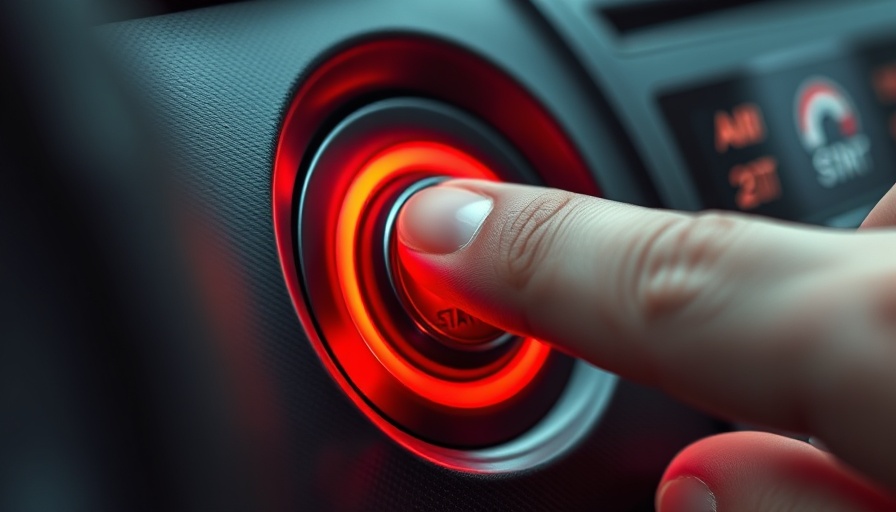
point(391, 163)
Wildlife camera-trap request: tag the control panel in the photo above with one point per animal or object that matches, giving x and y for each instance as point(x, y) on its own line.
point(806, 143)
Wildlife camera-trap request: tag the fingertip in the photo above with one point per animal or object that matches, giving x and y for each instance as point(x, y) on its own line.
point(441, 219)
point(756, 470)
point(685, 494)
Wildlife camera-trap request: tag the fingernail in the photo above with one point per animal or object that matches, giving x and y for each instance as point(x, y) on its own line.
point(442, 219)
point(686, 494)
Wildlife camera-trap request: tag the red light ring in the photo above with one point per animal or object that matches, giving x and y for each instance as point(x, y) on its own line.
point(428, 68)
point(440, 160)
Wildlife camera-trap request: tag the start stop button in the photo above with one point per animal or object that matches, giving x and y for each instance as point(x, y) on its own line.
point(445, 322)
point(442, 320)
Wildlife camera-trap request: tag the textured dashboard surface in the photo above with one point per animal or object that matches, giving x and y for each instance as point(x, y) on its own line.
point(216, 83)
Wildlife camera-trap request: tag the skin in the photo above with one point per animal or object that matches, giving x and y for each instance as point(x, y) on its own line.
point(771, 323)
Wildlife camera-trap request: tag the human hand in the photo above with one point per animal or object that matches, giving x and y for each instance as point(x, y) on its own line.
point(760, 321)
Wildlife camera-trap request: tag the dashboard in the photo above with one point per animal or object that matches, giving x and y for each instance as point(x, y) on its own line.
point(266, 116)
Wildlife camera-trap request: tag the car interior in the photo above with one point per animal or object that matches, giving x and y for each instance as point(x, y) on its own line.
point(203, 307)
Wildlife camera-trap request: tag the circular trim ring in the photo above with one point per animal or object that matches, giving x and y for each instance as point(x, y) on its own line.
point(430, 68)
point(434, 140)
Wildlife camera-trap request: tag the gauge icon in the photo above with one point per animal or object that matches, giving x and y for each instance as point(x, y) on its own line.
point(830, 129)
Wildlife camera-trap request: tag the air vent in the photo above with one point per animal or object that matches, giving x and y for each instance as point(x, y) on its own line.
point(628, 16)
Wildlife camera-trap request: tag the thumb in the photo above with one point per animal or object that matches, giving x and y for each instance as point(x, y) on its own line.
point(761, 472)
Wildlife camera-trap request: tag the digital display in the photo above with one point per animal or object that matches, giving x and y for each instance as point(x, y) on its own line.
point(804, 143)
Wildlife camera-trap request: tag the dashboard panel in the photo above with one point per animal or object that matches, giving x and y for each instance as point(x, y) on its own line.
point(769, 108)
point(785, 109)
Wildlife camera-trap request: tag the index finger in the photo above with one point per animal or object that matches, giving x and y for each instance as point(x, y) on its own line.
point(756, 320)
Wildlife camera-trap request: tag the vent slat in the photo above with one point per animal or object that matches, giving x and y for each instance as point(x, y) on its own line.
point(627, 17)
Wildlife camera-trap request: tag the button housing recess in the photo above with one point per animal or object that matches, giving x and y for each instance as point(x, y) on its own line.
point(454, 388)
point(343, 157)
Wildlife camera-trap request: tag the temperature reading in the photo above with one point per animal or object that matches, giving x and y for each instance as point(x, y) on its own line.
point(756, 182)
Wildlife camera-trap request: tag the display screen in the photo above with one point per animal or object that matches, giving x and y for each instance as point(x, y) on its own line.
point(805, 143)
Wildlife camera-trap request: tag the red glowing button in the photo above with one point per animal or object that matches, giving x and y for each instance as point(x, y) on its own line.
point(443, 320)
point(394, 163)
